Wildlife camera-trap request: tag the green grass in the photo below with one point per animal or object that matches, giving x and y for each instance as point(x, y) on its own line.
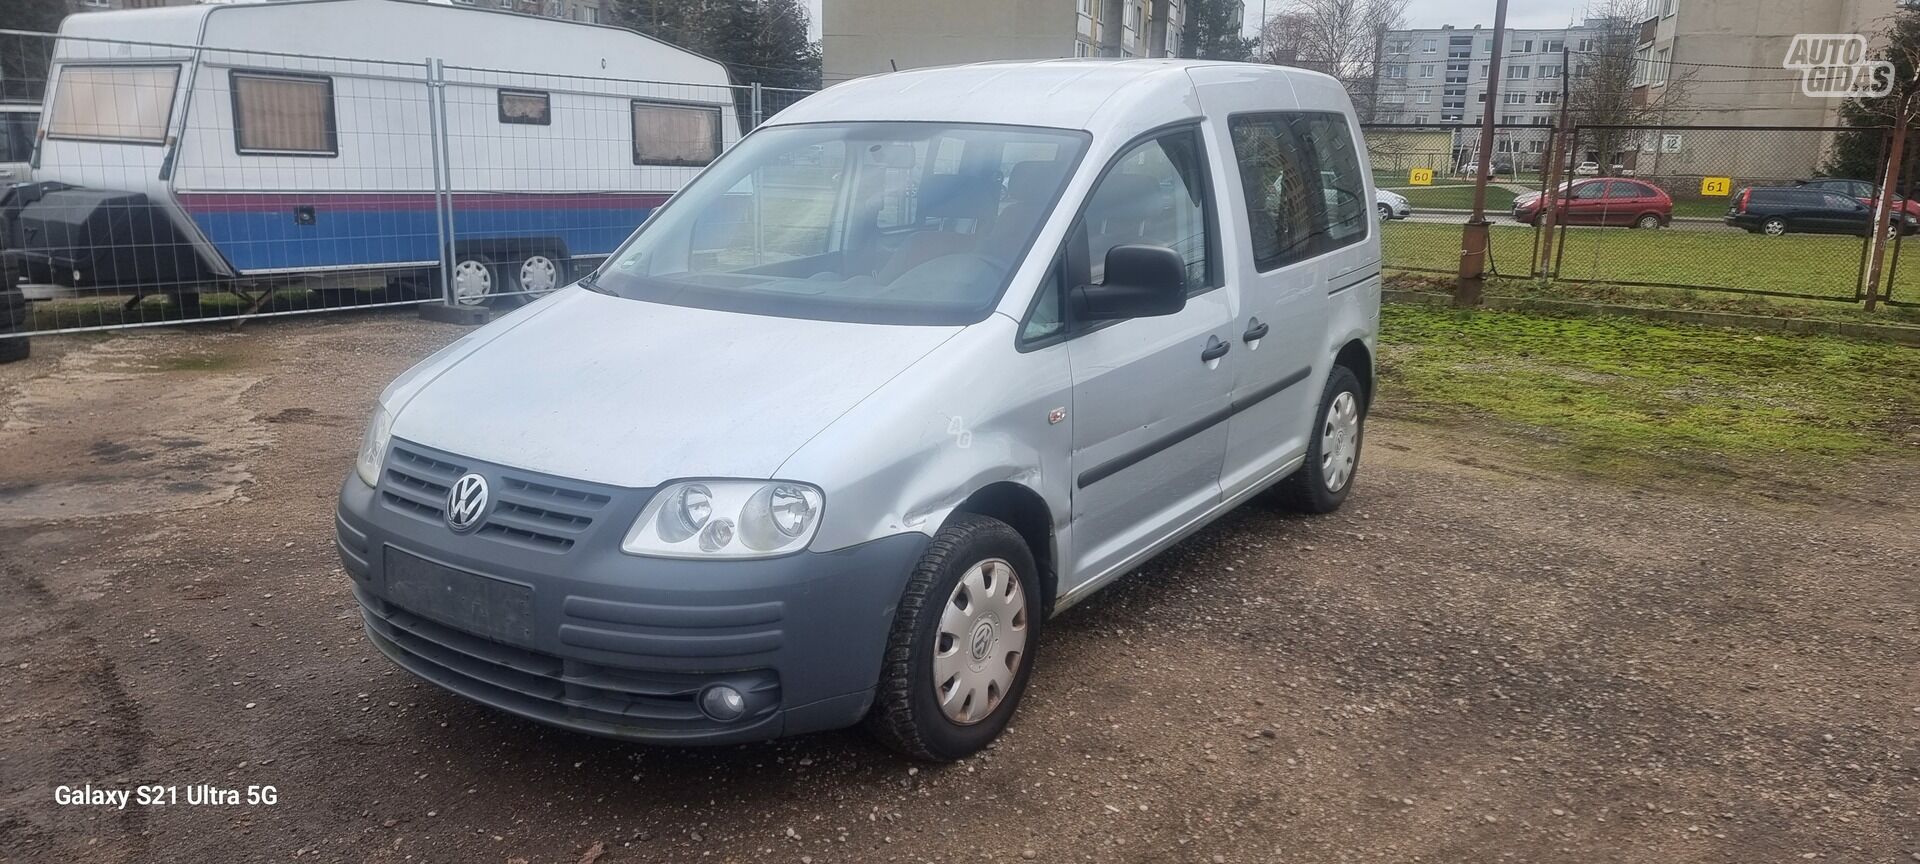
point(1797, 263)
point(1499, 198)
point(1633, 398)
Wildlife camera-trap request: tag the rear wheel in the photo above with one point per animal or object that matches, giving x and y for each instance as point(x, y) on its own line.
point(1333, 453)
point(1774, 227)
point(962, 645)
point(538, 274)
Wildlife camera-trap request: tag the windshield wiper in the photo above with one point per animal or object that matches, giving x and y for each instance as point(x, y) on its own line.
point(590, 284)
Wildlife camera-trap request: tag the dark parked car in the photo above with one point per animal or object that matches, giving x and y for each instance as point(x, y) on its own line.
point(1776, 210)
point(1861, 190)
point(1603, 201)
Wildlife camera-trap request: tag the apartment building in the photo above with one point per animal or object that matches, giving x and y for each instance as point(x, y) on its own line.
point(1712, 62)
point(867, 37)
point(1439, 77)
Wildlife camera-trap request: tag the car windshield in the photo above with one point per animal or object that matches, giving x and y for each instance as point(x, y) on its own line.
point(898, 223)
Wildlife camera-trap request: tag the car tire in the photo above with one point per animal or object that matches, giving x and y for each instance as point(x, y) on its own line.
point(908, 714)
point(1774, 227)
point(476, 281)
point(1333, 452)
point(1386, 212)
point(1647, 221)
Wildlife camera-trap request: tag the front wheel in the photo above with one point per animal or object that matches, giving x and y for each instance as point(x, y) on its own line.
point(1647, 222)
point(962, 644)
point(1333, 454)
point(1386, 212)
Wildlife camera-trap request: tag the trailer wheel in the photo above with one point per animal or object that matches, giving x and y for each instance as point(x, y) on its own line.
point(538, 274)
point(475, 279)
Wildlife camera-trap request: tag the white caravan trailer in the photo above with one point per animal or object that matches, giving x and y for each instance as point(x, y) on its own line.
point(297, 145)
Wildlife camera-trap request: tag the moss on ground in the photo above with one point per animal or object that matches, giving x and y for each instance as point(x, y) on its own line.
point(1622, 395)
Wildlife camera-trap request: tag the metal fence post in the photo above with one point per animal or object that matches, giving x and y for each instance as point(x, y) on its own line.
point(442, 174)
point(758, 115)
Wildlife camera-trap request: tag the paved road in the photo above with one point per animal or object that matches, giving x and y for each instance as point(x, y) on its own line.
point(1500, 218)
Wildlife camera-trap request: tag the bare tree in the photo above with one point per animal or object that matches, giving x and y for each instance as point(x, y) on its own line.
point(1343, 38)
point(1613, 84)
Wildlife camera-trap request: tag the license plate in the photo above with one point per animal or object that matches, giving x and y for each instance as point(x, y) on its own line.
point(482, 605)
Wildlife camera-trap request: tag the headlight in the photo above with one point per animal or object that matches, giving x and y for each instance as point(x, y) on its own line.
point(373, 447)
point(726, 519)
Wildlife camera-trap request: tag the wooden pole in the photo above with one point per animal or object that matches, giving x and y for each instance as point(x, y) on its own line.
point(1883, 203)
point(1474, 237)
point(1550, 196)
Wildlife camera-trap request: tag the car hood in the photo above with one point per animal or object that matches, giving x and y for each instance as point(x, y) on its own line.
point(630, 393)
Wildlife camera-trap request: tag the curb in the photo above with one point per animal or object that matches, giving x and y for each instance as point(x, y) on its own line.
point(1898, 333)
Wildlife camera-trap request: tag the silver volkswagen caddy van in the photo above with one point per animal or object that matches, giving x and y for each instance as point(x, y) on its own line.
point(923, 361)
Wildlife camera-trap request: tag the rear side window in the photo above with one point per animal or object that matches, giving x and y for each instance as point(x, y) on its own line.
point(1304, 190)
point(283, 115)
point(679, 135)
point(113, 103)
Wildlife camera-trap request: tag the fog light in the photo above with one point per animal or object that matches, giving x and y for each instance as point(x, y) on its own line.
point(723, 703)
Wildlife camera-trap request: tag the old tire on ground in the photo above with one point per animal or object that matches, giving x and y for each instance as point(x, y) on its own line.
point(977, 576)
point(13, 319)
point(1333, 452)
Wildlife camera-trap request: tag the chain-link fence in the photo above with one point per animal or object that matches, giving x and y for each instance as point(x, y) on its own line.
point(1739, 209)
point(1426, 178)
point(1756, 210)
point(184, 182)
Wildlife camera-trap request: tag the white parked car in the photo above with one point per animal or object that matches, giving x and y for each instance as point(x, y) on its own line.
point(754, 480)
point(1391, 205)
point(1587, 169)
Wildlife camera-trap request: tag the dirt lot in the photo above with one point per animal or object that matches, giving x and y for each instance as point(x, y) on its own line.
point(1474, 661)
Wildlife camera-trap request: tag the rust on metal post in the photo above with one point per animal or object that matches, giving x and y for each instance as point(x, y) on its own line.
point(1473, 238)
point(1883, 204)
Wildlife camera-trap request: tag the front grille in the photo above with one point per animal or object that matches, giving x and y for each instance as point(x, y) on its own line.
point(563, 691)
point(545, 514)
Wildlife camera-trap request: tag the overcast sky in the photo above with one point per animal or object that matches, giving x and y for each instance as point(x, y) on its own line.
point(1420, 13)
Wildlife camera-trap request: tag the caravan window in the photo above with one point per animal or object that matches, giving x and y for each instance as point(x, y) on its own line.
point(525, 106)
point(113, 103)
point(281, 114)
point(666, 134)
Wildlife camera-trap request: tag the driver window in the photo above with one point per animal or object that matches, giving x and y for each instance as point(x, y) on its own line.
point(1154, 195)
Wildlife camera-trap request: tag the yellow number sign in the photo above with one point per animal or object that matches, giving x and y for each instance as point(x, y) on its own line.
point(1713, 187)
point(1420, 177)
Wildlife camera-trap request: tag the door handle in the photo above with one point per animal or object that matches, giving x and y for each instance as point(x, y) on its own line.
point(1255, 331)
point(1215, 349)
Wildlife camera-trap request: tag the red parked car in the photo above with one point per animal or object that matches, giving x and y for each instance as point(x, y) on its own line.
point(1861, 190)
point(1603, 201)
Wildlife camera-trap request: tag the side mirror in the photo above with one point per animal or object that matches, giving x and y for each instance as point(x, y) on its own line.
point(1141, 282)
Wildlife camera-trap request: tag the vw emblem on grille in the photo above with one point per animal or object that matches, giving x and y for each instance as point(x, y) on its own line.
point(466, 501)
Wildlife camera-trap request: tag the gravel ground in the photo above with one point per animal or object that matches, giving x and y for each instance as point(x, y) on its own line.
point(1474, 661)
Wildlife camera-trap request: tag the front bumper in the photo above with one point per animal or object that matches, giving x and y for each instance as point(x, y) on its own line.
point(539, 613)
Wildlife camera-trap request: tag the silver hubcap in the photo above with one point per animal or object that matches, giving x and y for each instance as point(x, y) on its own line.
point(1340, 441)
point(1649, 221)
point(472, 282)
point(1775, 228)
point(981, 641)
point(538, 274)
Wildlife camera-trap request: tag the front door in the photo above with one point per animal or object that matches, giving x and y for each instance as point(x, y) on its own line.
point(1149, 394)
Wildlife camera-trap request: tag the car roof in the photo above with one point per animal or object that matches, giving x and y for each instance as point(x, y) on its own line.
point(1086, 94)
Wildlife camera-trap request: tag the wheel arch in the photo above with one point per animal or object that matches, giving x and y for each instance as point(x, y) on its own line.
point(1027, 512)
point(1356, 357)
